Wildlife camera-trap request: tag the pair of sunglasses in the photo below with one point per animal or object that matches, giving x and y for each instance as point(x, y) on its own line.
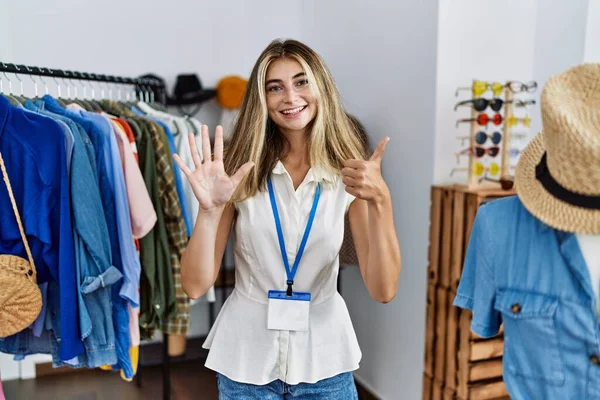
point(517, 87)
point(479, 169)
point(512, 121)
point(481, 137)
point(481, 104)
point(480, 87)
point(483, 119)
point(522, 103)
point(479, 151)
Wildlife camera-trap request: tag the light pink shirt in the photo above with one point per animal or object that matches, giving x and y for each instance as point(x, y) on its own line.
point(143, 215)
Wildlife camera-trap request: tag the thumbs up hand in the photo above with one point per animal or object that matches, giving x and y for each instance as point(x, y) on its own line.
point(363, 179)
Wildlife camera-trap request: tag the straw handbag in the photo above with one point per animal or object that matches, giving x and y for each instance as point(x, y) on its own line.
point(20, 296)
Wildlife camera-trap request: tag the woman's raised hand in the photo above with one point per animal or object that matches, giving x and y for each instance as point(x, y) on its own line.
point(211, 185)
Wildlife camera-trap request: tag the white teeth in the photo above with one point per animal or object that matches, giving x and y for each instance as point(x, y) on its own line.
point(293, 111)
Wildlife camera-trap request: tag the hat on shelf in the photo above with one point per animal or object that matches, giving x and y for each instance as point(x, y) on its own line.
point(188, 90)
point(558, 174)
point(230, 91)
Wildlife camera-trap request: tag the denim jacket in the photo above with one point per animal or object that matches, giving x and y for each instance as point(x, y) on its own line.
point(99, 131)
point(533, 279)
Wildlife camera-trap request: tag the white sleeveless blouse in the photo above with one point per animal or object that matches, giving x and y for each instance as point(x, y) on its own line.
point(241, 346)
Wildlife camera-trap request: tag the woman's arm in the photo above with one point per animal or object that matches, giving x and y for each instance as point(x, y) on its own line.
point(377, 248)
point(372, 224)
point(201, 260)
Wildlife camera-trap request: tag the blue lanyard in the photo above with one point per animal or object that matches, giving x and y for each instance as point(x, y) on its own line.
point(292, 273)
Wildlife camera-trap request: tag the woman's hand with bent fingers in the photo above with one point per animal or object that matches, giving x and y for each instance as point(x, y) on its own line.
point(211, 185)
point(363, 178)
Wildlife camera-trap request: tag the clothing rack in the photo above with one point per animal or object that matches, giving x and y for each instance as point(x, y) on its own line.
point(142, 85)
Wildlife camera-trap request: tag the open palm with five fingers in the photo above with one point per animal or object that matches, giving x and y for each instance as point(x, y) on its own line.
point(212, 187)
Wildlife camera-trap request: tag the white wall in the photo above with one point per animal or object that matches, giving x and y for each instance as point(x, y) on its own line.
point(383, 56)
point(130, 38)
point(592, 37)
point(560, 40)
point(485, 40)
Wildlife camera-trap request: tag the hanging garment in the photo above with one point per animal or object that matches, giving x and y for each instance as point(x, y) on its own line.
point(38, 325)
point(157, 287)
point(26, 140)
point(143, 216)
point(179, 324)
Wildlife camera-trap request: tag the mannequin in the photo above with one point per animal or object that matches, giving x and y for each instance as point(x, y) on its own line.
point(533, 260)
point(590, 249)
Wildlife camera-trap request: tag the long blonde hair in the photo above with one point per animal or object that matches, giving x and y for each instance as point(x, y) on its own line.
point(333, 139)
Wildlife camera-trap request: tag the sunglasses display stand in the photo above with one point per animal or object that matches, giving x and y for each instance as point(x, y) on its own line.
point(473, 179)
point(505, 175)
point(496, 174)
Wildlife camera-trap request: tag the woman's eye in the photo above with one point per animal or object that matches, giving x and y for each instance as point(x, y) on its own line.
point(302, 82)
point(273, 88)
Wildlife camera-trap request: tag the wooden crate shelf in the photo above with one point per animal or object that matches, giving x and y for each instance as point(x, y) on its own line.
point(458, 364)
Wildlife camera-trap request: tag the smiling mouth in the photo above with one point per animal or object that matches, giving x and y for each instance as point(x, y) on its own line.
point(294, 111)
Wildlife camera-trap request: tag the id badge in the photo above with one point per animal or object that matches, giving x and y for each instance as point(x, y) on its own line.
point(288, 313)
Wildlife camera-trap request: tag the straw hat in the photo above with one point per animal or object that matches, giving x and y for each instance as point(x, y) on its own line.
point(558, 174)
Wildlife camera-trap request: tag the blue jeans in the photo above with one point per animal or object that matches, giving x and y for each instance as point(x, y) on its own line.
point(339, 387)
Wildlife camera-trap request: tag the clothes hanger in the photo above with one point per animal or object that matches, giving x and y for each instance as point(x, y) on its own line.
point(35, 85)
point(20, 98)
point(83, 100)
point(59, 98)
point(87, 99)
point(75, 98)
point(93, 103)
point(106, 101)
point(9, 96)
point(144, 99)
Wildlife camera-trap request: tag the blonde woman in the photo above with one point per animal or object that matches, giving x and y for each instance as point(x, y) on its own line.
point(293, 167)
